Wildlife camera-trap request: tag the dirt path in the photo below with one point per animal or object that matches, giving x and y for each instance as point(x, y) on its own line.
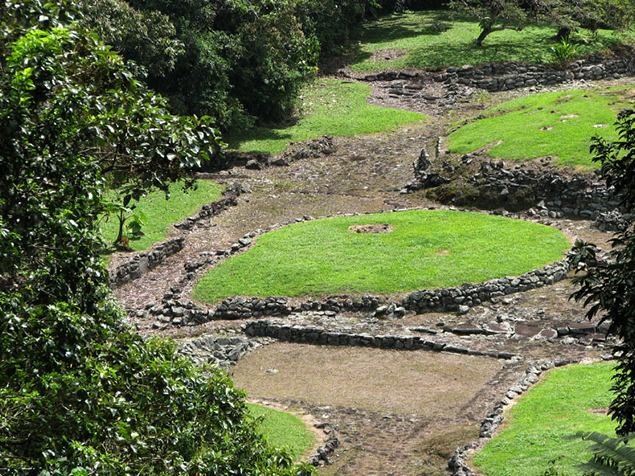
point(396, 413)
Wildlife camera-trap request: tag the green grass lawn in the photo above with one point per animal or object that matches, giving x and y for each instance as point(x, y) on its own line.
point(431, 39)
point(162, 213)
point(542, 420)
point(328, 106)
point(283, 430)
point(426, 249)
point(553, 124)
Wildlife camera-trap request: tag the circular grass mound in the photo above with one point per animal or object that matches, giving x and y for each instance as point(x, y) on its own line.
point(420, 250)
point(553, 124)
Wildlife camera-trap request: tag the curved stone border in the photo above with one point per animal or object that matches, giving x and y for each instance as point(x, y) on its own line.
point(495, 417)
point(454, 299)
point(461, 298)
point(143, 262)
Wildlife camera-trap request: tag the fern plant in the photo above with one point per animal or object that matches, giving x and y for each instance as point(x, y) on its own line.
point(563, 53)
point(611, 456)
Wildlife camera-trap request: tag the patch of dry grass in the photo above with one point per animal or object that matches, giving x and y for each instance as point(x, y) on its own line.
point(414, 382)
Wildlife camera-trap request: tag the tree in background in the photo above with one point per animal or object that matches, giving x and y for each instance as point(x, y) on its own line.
point(566, 15)
point(238, 61)
point(146, 37)
point(497, 15)
point(590, 15)
point(607, 285)
point(80, 392)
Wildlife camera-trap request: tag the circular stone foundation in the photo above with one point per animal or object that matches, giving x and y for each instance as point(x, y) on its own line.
point(425, 249)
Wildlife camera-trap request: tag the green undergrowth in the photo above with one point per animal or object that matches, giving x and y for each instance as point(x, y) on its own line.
point(425, 249)
point(568, 400)
point(559, 125)
point(283, 430)
point(430, 39)
point(327, 107)
point(162, 213)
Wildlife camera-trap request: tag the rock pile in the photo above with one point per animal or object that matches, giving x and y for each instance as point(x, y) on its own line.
point(221, 351)
point(542, 192)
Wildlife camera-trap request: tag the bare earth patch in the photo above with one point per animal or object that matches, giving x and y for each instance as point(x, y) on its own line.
point(393, 410)
point(424, 383)
point(376, 228)
point(390, 54)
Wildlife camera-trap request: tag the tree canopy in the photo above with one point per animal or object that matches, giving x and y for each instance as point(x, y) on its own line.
point(80, 392)
point(607, 284)
point(237, 61)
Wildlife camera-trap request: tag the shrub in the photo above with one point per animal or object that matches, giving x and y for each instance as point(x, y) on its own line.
point(563, 53)
point(80, 391)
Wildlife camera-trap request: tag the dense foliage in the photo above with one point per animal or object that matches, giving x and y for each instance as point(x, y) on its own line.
point(611, 456)
point(235, 60)
point(80, 392)
point(607, 285)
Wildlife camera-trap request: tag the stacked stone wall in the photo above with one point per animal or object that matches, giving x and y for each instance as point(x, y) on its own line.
point(495, 77)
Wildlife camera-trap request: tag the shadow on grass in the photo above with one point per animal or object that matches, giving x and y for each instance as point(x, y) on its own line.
point(396, 27)
point(495, 50)
point(276, 133)
point(470, 53)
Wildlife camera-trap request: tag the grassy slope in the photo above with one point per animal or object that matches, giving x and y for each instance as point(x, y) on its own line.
point(162, 213)
point(283, 430)
point(556, 408)
point(557, 124)
point(434, 38)
point(426, 249)
point(329, 106)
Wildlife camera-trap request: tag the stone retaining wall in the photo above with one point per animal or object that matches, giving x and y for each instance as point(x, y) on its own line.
point(210, 210)
point(317, 336)
point(547, 192)
point(461, 298)
point(513, 75)
point(578, 196)
point(141, 263)
point(453, 299)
